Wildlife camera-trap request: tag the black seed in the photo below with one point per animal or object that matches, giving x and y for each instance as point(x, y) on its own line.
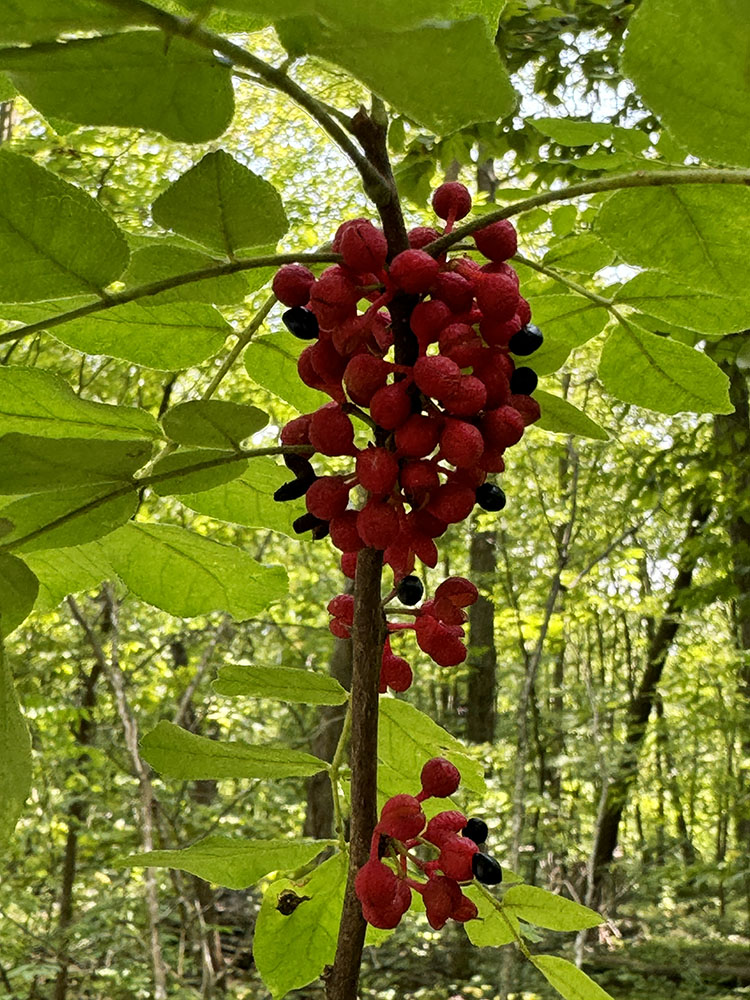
point(306, 522)
point(476, 830)
point(526, 341)
point(410, 590)
point(301, 322)
point(490, 497)
point(293, 490)
point(523, 381)
point(320, 530)
point(486, 869)
point(299, 465)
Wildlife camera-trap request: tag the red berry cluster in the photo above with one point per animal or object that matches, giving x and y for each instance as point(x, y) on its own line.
point(385, 891)
point(438, 626)
point(442, 424)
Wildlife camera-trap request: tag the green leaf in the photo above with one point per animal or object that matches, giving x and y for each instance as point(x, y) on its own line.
point(546, 909)
point(567, 321)
point(44, 20)
point(470, 83)
point(66, 517)
point(582, 253)
point(54, 239)
point(271, 362)
point(698, 83)
point(681, 305)
point(570, 982)
point(162, 260)
point(234, 862)
point(568, 132)
point(493, 929)
point(15, 753)
point(696, 233)
point(18, 590)
point(33, 401)
point(166, 337)
point(196, 470)
point(7, 90)
point(660, 374)
point(304, 687)
point(176, 753)
point(249, 500)
point(561, 417)
point(67, 571)
point(213, 423)
point(135, 79)
point(38, 464)
point(292, 951)
point(407, 738)
point(186, 574)
point(223, 205)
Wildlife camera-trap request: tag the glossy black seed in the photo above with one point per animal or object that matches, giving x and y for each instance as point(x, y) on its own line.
point(486, 869)
point(523, 381)
point(299, 465)
point(307, 522)
point(410, 590)
point(476, 830)
point(526, 341)
point(301, 322)
point(490, 497)
point(294, 489)
point(320, 530)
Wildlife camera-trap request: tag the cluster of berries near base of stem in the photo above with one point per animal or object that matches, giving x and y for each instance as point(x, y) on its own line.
point(384, 885)
point(441, 425)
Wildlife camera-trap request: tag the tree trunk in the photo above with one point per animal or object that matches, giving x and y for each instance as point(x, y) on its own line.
point(482, 655)
point(672, 784)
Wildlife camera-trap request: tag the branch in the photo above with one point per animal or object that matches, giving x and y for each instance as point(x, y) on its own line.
point(374, 182)
point(640, 178)
point(164, 284)
point(600, 300)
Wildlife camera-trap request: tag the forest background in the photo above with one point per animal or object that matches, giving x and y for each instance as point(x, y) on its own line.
point(606, 694)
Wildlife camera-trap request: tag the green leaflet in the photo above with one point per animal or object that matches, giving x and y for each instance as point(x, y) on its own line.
point(493, 929)
point(407, 738)
point(697, 84)
point(472, 84)
point(196, 470)
point(162, 260)
point(582, 253)
point(546, 909)
point(232, 861)
point(661, 374)
point(213, 423)
point(15, 753)
point(223, 205)
point(561, 417)
point(292, 950)
point(248, 500)
point(164, 336)
point(132, 79)
point(696, 233)
point(570, 982)
point(176, 753)
point(33, 401)
point(186, 574)
point(283, 683)
point(271, 361)
point(38, 464)
point(67, 571)
point(18, 590)
point(569, 132)
point(675, 303)
point(55, 240)
point(567, 321)
point(44, 20)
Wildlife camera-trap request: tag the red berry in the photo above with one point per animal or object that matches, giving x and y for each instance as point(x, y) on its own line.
point(363, 376)
point(418, 477)
point(428, 319)
point(441, 642)
point(451, 201)
point(339, 234)
point(492, 460)
point(524, 311)
point(497, 333)
point(377, 524)
point(458, 590)
point(344, 534)
point(454, 290)
point(442, 897)
point(502, 268)
point(494, 371)
point(384, 896)
point(327, 361)
point(331, 431)
point(342, 606)
point(439, 778)
point(349, 564)
point(364, 247)
point(451, 503)
point(528, 407)
point(443, 826)
point(390, 407)
point(396, 673)
point(497, 296)
point(377, 470)
point(402, 817)
point(417, 436)
point(437, 376)
point(422, 235)
point(413, 271)
point(425, 548)
point(497, 241)
point(292, 283)
point(460, 343)
point(468, 399)
point(461, 443)
point(455, 858)
point(297, 431)
point(333, 297)
point(327, 497)
point(503, 427)
point(466, 910)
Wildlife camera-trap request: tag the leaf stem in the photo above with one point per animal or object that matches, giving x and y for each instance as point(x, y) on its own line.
point(243, 339)
point(556, 276)
point(498, 904)
point(338, 758)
